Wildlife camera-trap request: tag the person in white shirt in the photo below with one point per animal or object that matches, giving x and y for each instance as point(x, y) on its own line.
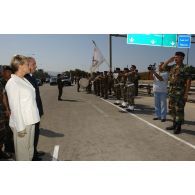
point(24, 111)
point(160, 93)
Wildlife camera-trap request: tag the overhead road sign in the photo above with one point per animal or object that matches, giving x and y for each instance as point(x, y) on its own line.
point(184, 41)
point(163, 40)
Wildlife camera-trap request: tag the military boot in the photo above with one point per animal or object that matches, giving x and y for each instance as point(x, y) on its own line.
point(177, 130)
point(172, 127)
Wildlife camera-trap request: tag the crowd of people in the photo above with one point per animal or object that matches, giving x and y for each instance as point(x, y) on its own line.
point(21, 106)
point(123, 84)
point(20, 110)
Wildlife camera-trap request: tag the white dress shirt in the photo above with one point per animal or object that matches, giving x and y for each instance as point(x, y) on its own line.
point(161, 86)
point(22, 102)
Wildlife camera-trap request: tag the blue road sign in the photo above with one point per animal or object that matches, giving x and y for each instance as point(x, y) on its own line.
point(184, 41)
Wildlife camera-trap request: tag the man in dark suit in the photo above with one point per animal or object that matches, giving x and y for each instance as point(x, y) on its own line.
point(32, 80)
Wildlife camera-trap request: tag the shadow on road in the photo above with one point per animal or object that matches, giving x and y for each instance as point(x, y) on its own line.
point(47, 157)
point(189, 122)
point(143, 109)
point(50, 133)
point(70, 100)
point(190, 132)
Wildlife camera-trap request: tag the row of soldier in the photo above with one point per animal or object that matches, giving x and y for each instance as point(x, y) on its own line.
point(122, 84)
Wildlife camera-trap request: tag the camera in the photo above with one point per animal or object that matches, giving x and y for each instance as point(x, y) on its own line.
point(152, 66)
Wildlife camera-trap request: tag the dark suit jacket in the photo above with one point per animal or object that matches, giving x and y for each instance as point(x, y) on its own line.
point(33, 81)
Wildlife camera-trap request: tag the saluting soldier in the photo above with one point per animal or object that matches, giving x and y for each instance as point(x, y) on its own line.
point(94, 83)
point(136, 82)
point(105, 84)
point(110, 83)
point(180, 81)
point(131, 87)
point(101, 78)
point(124, 88)
point(117, 80)
point(97, 84)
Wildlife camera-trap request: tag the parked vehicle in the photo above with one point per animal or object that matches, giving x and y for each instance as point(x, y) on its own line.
point(47, 80)
point(39, 82)
point(53, 81)
point(66, 80)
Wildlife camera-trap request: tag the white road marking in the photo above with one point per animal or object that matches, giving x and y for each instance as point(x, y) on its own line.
point(55, 153)
point(152, 125)
point(98, 109)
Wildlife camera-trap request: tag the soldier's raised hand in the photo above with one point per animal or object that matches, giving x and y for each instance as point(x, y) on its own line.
point(170, 60)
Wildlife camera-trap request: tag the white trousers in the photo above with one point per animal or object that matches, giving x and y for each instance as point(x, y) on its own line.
point(24, 146)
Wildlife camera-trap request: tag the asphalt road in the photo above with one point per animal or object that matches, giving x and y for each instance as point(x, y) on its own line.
point(87, 128)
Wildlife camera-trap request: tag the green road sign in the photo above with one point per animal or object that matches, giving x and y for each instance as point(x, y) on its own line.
point(163, 40)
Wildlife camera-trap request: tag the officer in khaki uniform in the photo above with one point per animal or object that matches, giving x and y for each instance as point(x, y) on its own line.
point(180, 81)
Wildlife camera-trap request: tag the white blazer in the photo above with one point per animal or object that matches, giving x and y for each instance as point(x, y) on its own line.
point(22, 102)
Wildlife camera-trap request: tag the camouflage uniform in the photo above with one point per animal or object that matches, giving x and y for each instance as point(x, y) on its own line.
point(110, 83)
point(123, 88)
point(136, 83)
point(178, 77)
point(105, 85)
point(97, 85)
point(2, 116)
point(130, 89)
point(117, 86)
point(101, 78)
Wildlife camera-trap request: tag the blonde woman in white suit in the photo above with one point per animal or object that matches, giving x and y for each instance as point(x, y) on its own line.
point(24, 111)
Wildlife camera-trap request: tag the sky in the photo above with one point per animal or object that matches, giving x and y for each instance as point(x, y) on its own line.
point(61, 52)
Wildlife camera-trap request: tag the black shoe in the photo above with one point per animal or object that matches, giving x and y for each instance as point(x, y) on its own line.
point(172, 127)
point(155, 118)
point(59, 99)
point(39, 153)
point(4, 155)
point(177, 129)
point(36, 158)
point(163, 120)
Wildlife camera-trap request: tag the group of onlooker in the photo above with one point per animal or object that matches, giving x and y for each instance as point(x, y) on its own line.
point(21, 107)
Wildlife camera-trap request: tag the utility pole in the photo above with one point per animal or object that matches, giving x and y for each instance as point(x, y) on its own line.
point(110, 52)
point(110, 47)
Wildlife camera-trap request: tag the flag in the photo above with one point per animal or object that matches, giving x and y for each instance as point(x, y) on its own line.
point(98, 58)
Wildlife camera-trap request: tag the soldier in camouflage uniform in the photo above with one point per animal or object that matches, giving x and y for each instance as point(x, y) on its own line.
point(124, 87)
point(131, 87)
point(105, 84)
point(94, 83)
point(110, 83)
point(101, 78)
point(180, 81)
point(117, 80)
point(97, 84)
point(3, 155)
